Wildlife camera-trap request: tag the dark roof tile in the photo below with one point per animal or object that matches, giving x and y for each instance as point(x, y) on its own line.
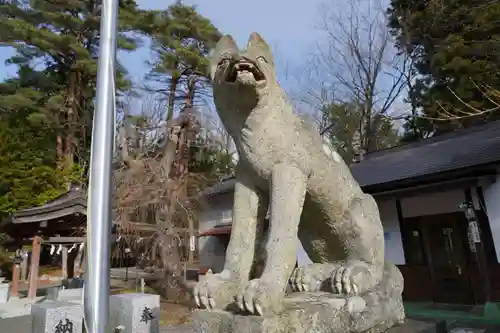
point(471, 147)
point(479, 145)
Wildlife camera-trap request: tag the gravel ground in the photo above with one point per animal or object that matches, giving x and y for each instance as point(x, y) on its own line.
point(185, 328)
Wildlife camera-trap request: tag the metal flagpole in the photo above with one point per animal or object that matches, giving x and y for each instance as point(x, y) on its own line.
point(96, 290)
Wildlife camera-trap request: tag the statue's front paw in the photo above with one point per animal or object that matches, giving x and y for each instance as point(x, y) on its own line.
point(312, 277)
point(353, 278)
point(216, 291)
point(261, 296)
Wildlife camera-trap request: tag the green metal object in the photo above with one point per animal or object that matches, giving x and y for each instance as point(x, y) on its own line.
point(490, 314)
point(492, 311)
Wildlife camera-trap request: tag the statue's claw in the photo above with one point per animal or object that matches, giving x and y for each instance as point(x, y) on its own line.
point(311, 277)
point(216, 291)
point(260, 297)
point(343, 278)
point(352, 278)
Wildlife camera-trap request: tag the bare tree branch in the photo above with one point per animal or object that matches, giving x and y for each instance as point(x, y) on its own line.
point(157, 198)
point(358, 62)
point(488, 92)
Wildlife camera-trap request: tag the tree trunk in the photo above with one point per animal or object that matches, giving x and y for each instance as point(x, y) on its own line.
point(184, 147)
point(171, 98)
point(60, 151)
point(72, 109)
point(171, 137)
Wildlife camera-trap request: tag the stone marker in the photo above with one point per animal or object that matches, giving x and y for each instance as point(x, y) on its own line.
point(24, 265)
point(57, 317)
point(4, 292)
point(284, 164)
point(64, 259)
point(18, 324)
point(135, 313)
point(17, 307)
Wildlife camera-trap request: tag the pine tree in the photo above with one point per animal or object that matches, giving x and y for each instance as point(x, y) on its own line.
point(182, 39)
point(46, 110)
point(343, 126)
point(57, 42)
point(29, 175)
point(456, 48)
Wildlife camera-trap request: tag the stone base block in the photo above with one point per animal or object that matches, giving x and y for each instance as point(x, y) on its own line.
point(135, 313)
point(19, 324)
point(18, 307)
point(50, 317)
point(4, 292)
point(304, 313)
point(253, 324)
point(320, 312)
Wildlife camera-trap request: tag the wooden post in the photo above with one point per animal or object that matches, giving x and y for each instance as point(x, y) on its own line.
point(35, 265)
point(64, 259)
point(14, 291)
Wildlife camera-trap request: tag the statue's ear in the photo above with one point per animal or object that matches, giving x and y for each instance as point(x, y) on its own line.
point(258, 45)
point(226, 45)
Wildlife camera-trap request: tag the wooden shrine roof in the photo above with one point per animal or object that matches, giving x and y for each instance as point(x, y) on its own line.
point(72, 202)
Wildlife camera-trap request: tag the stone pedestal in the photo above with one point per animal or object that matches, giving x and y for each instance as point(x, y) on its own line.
point(374, 311)
point(57, 317)
point(19, 324)
point(4, 292)
point(217, 322)
point(135, 313)
point(306, 313)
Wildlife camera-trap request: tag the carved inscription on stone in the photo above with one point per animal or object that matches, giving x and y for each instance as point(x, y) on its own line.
point(147, 315)
point(64, 327)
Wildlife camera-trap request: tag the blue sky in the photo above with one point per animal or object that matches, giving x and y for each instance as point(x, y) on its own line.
point(288, 26)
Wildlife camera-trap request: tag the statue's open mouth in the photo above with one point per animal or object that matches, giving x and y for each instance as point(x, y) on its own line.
point(245, 71)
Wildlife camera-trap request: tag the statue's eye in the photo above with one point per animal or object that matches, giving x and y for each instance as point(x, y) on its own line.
point(262, 60)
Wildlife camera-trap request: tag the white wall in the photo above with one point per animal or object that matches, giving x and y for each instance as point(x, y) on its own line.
point(491, 194)
point(217, 211)
point(392, 234)
point(416, 205)
point(413, 206)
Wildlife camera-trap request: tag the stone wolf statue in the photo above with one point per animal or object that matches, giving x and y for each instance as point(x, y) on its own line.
point(312, 195)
